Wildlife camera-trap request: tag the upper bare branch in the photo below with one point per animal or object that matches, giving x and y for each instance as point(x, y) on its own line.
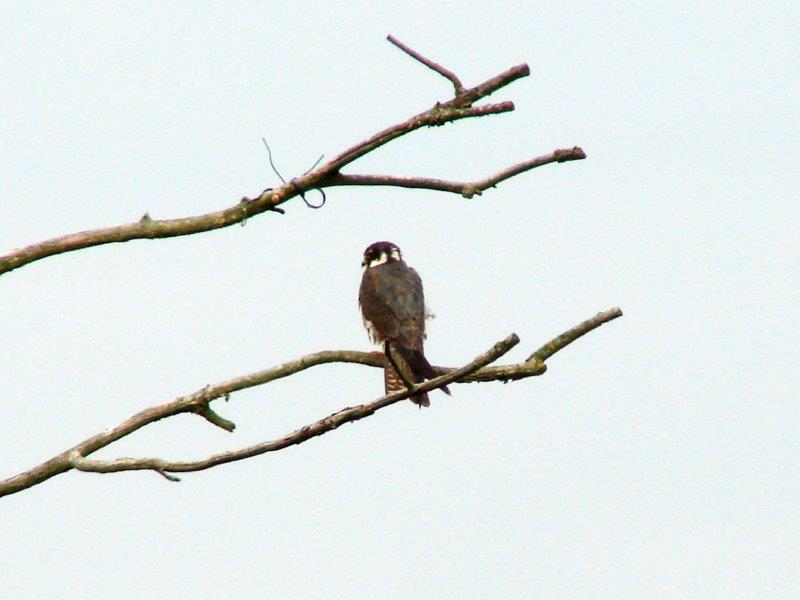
point(324, 175)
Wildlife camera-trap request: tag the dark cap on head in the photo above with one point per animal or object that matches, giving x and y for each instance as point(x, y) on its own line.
point(378, 247)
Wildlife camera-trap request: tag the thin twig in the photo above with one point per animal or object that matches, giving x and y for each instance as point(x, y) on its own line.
point(459, 88)
point(271, 163)
point(316, 162)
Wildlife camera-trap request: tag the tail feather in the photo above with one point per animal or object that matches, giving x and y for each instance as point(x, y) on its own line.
point(413, 366)
point(394, 383)
point(419, 364)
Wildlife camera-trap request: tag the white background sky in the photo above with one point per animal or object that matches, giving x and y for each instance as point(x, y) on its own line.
point(658, 457)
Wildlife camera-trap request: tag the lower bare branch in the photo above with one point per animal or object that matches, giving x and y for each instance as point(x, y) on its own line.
point(198, 402)
point(353, 413)
point(504, 373)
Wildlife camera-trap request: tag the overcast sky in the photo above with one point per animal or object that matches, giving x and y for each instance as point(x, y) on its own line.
point(658, 456)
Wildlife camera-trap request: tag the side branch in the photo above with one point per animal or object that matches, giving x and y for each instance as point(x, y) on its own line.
point(467, 189)
point(457, 85)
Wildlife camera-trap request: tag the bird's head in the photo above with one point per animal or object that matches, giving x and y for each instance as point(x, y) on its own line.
point(380, 253)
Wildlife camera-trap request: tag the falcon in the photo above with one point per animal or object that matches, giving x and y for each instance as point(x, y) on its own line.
point(393, 308)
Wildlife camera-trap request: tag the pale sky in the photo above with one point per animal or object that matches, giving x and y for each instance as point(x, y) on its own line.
point(657, 457)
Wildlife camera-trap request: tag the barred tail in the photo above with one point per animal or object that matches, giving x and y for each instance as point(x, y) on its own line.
point(394, 383)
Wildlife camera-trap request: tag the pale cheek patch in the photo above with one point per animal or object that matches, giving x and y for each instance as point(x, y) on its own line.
point(383, 258)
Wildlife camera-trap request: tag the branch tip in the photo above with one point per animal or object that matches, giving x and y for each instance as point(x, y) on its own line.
point(561, 341)
point(575, 153)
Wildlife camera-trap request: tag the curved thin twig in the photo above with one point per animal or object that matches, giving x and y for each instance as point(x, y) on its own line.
point(271, 162)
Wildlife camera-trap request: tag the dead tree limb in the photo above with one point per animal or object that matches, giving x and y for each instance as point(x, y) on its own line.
point(351, 413)
point(198, 402)
point(325, 175)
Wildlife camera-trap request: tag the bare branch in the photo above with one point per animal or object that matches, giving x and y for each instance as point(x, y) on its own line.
point(353, 413)
point(569, 336)
point(467, 189)
point(81, 463)
point(490, 86)
point(459, 87)
point(324, 175)
point(198, 402)
point(438, 115)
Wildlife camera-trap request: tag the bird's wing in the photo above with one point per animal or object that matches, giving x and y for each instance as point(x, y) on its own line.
point(401, 288)
point(378, 315)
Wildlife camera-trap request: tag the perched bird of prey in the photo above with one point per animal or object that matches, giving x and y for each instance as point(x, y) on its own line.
point(393, 308)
